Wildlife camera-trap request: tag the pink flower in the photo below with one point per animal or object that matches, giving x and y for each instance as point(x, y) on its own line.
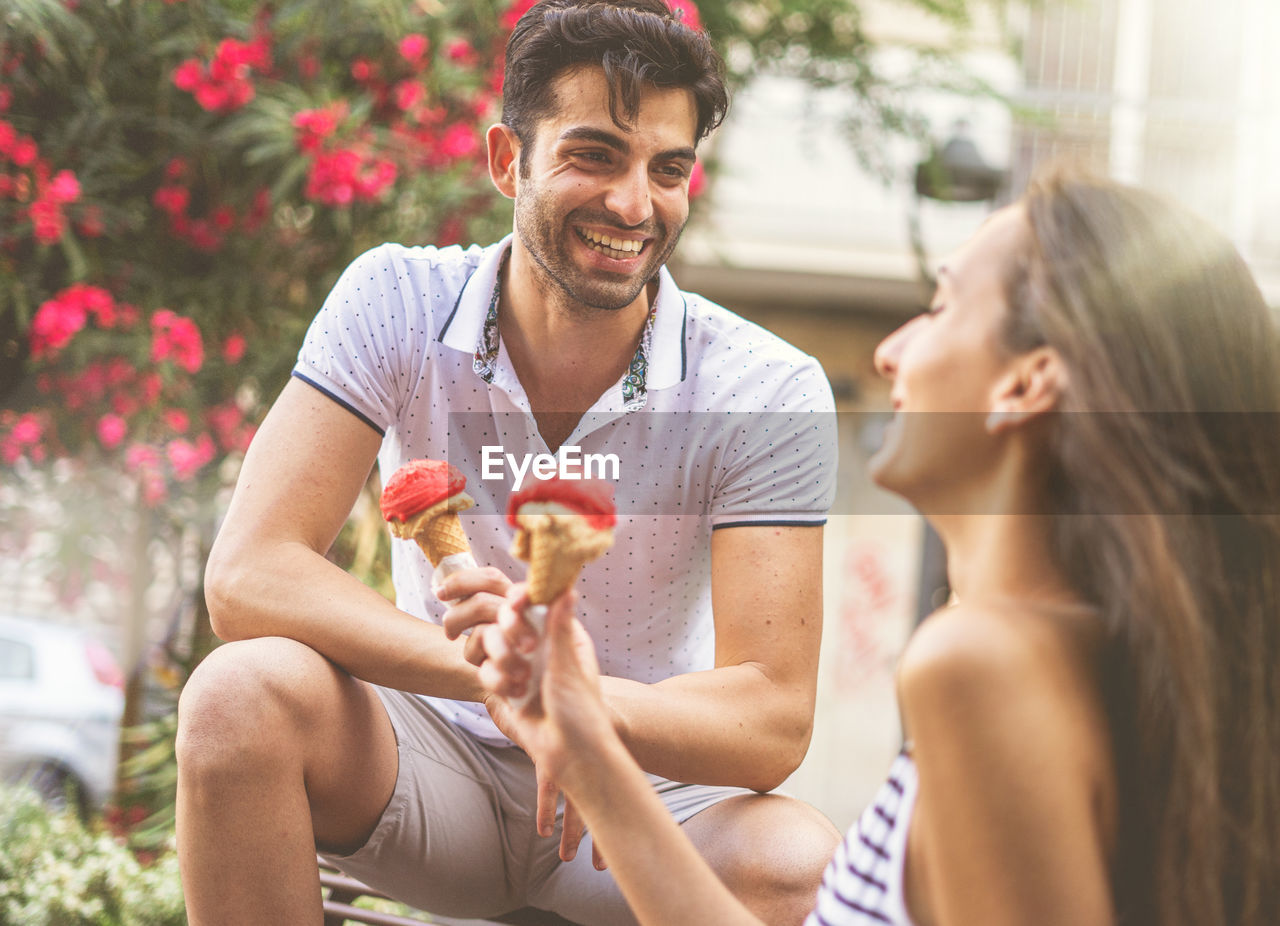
point(154, 491)
point(213, 97)
point(118, 371)
point(697, 180)
point(47, 221)
point(414, 47)
point(91, 383)
point(56, 322)
point(172, 199)
point(407, 93)
point(229, 425)
point(111, 431)
point(187, 458)
point(687, 13)
point(24, 151)
point(177, 338)
point(176, 420)
point(188, 75)
point(144, 461)
point(64, 188)
point(459, 141)
point(233, 348)
point(25, 434)
point(517, 9)
point(204, 236)
point(461, 51)
point(315, 125)
point(141, 456)
point(93, 300)
point(225, 84)
point(28, 430)
point(339, 177)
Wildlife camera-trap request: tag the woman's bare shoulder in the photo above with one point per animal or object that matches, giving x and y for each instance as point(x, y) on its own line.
point(1016, 814)
point(1030, 668)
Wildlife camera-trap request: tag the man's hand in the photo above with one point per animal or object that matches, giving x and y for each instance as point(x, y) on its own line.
point(475, 596)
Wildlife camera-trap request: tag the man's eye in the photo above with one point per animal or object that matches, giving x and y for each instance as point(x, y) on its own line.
point(598, 157)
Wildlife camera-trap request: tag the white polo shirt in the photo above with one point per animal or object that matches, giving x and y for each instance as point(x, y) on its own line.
point(720, 424)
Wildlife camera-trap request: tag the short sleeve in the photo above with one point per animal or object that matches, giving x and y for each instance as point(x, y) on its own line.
point(778, 465)
point(353, 351)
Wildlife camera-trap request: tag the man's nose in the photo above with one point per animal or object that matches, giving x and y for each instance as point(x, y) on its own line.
point(628, 196)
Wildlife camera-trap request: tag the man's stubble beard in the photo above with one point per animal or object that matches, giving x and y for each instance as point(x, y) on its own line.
point(561, 280)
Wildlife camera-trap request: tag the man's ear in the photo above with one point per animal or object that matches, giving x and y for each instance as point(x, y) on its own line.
point(1033, 385)
point(504, 158)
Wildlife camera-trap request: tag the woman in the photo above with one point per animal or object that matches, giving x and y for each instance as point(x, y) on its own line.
point(1087, 415)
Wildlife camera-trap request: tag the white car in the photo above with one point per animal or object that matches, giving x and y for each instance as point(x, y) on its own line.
point(61, 698)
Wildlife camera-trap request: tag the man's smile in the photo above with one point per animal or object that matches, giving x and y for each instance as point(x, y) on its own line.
point(612, 246)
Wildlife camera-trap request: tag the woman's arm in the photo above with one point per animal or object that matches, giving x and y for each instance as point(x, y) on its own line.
point(1013, 818)
point(570, 734)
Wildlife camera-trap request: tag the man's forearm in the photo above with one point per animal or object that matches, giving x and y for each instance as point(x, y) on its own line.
point(727, 726)
point(291, 591)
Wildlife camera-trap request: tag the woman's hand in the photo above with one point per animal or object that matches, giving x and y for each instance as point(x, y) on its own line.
point(566, 724)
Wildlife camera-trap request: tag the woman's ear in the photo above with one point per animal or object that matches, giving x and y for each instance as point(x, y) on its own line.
point(504, 158)
point(1033, 385)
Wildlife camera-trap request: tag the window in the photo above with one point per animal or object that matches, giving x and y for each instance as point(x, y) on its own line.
point(17, 661)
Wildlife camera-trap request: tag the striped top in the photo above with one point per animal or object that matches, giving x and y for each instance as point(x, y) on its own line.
point(863, 884)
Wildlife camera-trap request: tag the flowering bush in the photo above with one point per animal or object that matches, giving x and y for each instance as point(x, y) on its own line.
point(56, 872)
point(181, 183)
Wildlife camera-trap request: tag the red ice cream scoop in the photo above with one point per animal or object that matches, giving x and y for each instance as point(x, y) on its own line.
point(591, 498)
point(417, 485)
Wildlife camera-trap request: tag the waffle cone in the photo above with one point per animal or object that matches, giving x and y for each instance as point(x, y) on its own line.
point(437, 529)
point(556, 547)
point(442, 536)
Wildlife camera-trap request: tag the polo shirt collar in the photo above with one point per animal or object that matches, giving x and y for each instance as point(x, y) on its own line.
point(668, 352)
point(667, 357)
point(465, 325)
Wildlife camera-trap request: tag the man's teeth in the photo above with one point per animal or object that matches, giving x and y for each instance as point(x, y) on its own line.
point(605, 244)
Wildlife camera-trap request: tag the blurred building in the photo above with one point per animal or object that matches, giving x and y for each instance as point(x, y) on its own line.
point(1173, 95)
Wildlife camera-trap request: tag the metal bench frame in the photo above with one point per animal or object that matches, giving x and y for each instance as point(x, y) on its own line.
point(343, 891)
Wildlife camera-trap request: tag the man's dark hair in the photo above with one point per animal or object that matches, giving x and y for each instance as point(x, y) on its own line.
point(637, 42)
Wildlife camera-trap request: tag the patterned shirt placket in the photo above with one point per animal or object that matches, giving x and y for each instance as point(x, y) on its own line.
point(634, 391)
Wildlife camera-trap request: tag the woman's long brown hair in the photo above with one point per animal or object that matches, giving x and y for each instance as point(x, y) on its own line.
point(1166, 479)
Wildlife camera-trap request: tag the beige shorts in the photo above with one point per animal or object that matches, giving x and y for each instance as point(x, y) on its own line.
point(458, 839)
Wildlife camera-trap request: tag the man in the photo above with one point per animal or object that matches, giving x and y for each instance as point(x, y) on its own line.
point(339, 721)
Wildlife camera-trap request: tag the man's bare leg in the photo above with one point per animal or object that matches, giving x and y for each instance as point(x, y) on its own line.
point(769, 850)
point(278, 751)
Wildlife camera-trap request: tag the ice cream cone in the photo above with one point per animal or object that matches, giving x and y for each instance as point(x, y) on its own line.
point(560, 526)
point(556, 544)
point(421, 502)
point(442, 536)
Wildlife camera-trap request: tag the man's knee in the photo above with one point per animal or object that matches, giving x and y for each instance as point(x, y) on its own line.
point(770, 851)
point(246, 697)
